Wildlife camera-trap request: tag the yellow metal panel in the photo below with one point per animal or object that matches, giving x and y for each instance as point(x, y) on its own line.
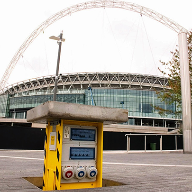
point(99, 154)
point(59, 130)
point(52, 159)
point(45, 172)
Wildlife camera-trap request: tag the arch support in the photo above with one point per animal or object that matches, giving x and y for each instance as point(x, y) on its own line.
point(80, 7)
point(186, 92)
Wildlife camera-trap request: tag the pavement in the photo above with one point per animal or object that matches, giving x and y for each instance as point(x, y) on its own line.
point(137, 171)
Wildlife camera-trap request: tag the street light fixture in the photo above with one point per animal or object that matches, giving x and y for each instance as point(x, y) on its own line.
point(59, 41)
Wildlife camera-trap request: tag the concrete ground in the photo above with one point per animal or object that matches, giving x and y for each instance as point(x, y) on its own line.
point(138, 171)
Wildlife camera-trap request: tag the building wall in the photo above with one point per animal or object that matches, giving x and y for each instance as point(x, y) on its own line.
point(138, 102)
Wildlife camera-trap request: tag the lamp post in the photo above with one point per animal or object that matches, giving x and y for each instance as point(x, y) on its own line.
point(59, 41)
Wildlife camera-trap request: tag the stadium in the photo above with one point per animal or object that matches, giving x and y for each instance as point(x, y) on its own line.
point(134, 92)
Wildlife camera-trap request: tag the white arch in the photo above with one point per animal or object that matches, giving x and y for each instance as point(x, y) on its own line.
point(82, 6)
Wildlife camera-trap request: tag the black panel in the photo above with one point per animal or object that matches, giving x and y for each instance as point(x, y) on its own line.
point(137, 142)
point(114, 141)
point(168, 142)
point(22, 138)
point(118, 141)
point(33, 139)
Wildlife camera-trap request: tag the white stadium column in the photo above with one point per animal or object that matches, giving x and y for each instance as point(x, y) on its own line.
point(186, 92)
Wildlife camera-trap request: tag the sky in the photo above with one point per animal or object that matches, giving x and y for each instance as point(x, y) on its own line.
point(96, 40)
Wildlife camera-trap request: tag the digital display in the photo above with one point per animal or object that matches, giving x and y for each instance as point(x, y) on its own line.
point(83, 134)
point(82, 153)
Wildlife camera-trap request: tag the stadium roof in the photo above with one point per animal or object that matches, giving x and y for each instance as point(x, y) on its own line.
point(88, 79)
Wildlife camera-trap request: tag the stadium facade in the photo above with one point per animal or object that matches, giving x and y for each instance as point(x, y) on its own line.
point(134, 92)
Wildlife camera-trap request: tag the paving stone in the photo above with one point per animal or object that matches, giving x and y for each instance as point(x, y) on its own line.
point(139, 172)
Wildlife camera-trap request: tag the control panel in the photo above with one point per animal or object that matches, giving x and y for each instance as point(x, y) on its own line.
point(79, 153)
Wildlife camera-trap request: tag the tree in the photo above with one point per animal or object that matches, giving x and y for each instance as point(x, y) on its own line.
point(172, 70)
